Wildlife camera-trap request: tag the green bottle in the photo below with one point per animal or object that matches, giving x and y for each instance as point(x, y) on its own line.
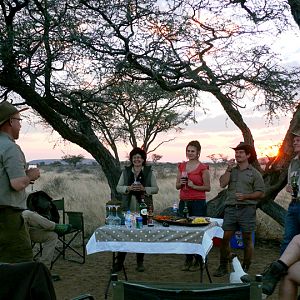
point(185, 210)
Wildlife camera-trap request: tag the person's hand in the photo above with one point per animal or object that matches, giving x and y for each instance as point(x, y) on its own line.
point(137, 187)
point(33, 173)
point(289, 189)
point(240, 196)
point(190, 183)
point(184, 180)
point(231, 164)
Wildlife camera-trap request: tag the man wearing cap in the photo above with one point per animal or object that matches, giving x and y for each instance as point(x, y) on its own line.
point(292, 220)
point(245, 187)
point(15, 245)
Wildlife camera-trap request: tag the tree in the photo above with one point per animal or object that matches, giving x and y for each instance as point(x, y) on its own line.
point(45, 62)
point(61, 63)
point(73, 160)
point(156, 157)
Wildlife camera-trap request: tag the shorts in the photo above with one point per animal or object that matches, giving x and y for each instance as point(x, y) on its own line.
point(240, 217)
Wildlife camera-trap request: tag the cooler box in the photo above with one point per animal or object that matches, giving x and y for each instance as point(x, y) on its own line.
point(236, 241)
point(217, 242)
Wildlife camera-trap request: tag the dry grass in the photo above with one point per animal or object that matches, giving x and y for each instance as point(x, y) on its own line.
point(88, 192)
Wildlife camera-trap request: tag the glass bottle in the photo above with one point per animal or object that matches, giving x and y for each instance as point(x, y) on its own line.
point(294, 184)
point(185, 210)
point(175, 207)
point(144, 210)
point(150, 217)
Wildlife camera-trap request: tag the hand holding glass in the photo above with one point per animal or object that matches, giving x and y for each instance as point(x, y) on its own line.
point(184, 179)
point(32, 166)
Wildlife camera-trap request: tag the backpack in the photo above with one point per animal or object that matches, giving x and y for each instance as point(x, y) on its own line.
point(41, 203)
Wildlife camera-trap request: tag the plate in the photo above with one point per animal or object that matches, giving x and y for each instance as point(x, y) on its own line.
point(177, 221)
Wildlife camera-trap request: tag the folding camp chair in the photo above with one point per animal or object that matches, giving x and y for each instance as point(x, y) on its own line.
point(126, 290)
point(67, 240)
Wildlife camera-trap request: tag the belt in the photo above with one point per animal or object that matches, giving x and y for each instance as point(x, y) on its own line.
point(239, 205)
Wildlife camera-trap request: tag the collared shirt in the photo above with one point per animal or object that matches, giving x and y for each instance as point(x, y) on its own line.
point(12, 165)
point(245, 181)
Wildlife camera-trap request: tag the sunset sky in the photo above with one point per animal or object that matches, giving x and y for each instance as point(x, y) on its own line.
point(214, 130)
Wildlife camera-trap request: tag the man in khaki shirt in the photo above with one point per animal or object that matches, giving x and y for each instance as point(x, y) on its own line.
point(245, 188)
point(15, 245)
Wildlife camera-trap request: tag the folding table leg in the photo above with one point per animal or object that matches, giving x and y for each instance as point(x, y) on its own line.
point(204, 265)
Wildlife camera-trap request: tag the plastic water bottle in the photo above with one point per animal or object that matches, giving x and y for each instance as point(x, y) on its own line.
point(175, 207)
point(128, 219)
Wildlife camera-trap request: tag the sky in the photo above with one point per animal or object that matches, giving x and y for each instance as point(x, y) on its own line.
point(214, 130)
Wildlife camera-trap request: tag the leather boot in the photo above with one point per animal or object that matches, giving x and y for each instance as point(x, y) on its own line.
point(222, 269)
point(246, 266)
point(272, 275)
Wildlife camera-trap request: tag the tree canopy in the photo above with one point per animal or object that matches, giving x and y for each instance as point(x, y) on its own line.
point(71, 61)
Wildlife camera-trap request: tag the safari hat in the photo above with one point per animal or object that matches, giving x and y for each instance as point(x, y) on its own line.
point(250, 149)
point(7, 110)
point(296, 132)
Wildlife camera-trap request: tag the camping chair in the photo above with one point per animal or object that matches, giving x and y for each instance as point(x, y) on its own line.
point(67, 240)
point(125, 290)
point(27, 280)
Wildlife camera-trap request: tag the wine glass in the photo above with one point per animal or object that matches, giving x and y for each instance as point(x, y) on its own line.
point(117, 219)
point(184, 176)
point(109, 218)
point(32, 166)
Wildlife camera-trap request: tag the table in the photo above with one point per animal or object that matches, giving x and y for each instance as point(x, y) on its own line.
point(157, 240)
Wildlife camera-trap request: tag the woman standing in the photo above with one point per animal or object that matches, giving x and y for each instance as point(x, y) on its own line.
point(193, 181)
point(136, 180)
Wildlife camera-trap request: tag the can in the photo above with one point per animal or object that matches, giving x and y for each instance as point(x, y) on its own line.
point(139, 222)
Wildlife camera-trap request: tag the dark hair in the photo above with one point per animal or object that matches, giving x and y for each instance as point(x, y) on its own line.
point(248, 150)
point(139, 151)
point(195, 144)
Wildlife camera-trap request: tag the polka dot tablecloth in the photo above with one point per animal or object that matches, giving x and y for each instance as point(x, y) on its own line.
point(157, 239)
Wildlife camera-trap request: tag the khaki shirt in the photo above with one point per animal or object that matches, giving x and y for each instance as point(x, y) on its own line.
point(12, 165)
point(245, 181)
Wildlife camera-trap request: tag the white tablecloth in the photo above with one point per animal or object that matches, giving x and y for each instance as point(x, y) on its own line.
point(156, 240)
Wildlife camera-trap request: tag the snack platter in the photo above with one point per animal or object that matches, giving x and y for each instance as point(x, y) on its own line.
point(180, 221)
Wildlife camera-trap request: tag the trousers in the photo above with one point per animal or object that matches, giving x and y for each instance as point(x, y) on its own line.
point(41, 231)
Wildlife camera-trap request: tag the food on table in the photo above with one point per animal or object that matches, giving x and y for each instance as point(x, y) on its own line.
point(200, 220)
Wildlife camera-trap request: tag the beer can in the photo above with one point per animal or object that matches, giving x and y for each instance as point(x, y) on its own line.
point(139, 222)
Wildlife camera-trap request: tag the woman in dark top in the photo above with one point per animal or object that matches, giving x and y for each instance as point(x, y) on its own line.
point(135, 181)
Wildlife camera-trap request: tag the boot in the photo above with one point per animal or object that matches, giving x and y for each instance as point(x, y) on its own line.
point(140, 267)
point(272, 275)
point(197, 265)
point(119, 263)
point(222, 270)
point(246, 267)
point(187, 265)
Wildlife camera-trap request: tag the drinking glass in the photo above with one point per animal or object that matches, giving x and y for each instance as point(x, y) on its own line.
point(184, 176)
point(32, 166)
point(117, 219)
point(109, 218)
